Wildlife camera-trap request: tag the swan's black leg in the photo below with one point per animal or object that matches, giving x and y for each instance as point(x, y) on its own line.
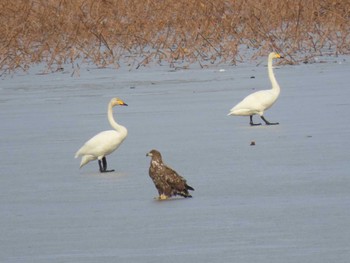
point(101, 168)
point(267, 122)
point(104, 166)
point(251, 121)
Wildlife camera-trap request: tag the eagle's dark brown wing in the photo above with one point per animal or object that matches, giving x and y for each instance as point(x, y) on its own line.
point(177, 183)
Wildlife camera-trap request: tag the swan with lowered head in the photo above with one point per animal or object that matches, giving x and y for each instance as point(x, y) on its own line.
point(257, 102)
point(104, 143)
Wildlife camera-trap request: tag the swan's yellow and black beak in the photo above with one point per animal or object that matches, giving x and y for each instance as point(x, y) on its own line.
point(279, 56)
point(122, 103)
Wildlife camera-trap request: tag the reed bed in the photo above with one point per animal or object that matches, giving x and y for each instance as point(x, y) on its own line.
point(108, 33)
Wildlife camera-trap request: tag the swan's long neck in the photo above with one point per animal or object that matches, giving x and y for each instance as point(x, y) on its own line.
point(113, 123)
point(275, 86)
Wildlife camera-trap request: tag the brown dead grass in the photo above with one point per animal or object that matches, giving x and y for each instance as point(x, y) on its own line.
point(111, 32)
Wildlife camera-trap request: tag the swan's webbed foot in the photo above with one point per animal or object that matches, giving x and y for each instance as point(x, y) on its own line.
point(252, 123)
point(267, 122)
point(107, 171)
point(103, 166)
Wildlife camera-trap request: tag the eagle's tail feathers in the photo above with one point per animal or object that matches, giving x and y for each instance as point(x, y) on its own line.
point(184, 193)
point(189, 187)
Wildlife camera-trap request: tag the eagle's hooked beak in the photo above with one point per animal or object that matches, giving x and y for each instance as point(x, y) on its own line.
point(149, 154)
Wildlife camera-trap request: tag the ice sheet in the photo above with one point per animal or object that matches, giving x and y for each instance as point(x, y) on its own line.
point(286, 199)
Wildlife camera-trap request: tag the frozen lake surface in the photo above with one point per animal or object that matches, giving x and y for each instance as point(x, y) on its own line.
point(286, 199)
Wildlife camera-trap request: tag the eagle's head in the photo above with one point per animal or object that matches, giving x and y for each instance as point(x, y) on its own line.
point(156, 159)
point(154, 154)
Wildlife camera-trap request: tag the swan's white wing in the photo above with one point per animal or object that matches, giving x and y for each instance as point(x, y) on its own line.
point(101, 144)
point(255, 103)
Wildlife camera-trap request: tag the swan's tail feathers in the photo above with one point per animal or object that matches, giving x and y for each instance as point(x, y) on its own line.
point(233, 111)
point(85, 159)
point(78, 153)
point(242, 112)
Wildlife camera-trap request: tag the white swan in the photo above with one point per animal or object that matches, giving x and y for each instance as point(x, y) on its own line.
point(105, 142)
point(258, 102)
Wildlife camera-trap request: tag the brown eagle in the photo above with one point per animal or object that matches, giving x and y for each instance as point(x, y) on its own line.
point(167, 181)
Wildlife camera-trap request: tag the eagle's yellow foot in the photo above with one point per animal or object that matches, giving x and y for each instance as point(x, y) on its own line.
point(162, 197)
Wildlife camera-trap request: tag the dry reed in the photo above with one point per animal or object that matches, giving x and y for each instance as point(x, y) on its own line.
point(181, 32)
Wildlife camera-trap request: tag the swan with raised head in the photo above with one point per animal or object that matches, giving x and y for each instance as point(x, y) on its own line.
point(257, 102)
point(104, 143)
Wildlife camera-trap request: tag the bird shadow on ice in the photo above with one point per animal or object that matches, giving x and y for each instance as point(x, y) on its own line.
point(172, 199)
point(245, 124)
point(110, 175)
point(274, 128)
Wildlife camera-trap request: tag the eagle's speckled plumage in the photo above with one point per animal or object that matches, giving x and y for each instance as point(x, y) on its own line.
point(167, 181)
